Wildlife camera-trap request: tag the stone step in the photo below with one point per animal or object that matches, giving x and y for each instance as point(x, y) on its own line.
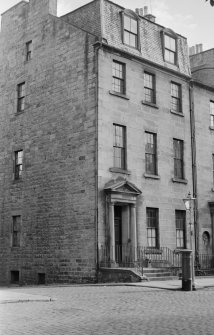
point(162, 278)
point(158, 274)
point(155, 270)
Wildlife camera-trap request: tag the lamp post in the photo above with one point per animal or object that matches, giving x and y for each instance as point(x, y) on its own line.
point(189, 204)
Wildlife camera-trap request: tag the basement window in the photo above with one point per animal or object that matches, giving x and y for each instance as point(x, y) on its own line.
point(14, 277)
point(41, 278)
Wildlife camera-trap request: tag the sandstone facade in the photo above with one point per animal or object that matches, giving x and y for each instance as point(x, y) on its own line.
point(71, 199)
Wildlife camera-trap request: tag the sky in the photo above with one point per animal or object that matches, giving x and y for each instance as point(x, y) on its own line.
point(193, 19)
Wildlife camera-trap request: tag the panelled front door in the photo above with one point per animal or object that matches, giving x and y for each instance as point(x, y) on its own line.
point(118, 233)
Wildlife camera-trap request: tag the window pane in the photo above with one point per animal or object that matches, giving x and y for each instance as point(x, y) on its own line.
point(212, 113)
point(21, 90)
point(21, 97)
point(175, 90)
point(127, 22)
point(133, 26)
point(133, 40)
point(150, 153)
point(212, 107)
point(18, 164)
point(149, 93)
point(170, 56)
point(16, 231)
point(151, 237)
point(148, 80)
point(19, 157)
point(213, 167)
point(117, 70)
point(178, 159)
point(28, 50)
point(118, 85)
point(152, 217)
point(175, 104)
point(118, 77)
point(126, 37)
point(150, 164)
point(130, 31)
point(180, 217)
point(119, 146)
point(170, 43)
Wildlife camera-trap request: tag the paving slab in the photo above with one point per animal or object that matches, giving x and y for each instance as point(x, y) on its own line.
point(8, 296)
point(200, 283)
point(109, 310)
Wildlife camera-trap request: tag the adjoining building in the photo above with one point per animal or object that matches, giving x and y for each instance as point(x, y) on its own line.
point(96, 140)
point(202, 67)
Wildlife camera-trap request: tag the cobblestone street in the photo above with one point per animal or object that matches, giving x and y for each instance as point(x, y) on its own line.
point(108, 310)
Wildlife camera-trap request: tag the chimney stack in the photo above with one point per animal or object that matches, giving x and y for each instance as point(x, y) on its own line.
point(196, 49)
point(145, 13)
point(150, 17)
point(139, 11)
point(199, 48)
point(146, 10)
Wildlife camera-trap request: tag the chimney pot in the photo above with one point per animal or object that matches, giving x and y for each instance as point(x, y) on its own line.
point(192, 50)
point(146, 10)
point(139, 11)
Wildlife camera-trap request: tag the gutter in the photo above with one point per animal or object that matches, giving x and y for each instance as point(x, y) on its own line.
point(96, 49)
point(140, 59)
point(194, 167)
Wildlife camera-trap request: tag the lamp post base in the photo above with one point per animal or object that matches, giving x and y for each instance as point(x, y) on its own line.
point(187, 285)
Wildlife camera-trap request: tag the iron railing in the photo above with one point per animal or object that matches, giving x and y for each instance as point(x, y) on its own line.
point(128, 256)
point(141, 257)
point(204, 264)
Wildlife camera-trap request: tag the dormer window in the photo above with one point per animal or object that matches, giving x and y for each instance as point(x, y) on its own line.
point(170, 49)
point(130, 31)
point(169, 41)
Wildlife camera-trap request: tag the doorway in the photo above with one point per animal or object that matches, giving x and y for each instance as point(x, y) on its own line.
point(118, 233)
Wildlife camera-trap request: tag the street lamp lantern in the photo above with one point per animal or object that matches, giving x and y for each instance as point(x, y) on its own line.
point(189, 204)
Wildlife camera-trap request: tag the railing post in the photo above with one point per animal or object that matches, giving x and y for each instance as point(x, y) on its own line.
point(112, 233)
point(134, 232)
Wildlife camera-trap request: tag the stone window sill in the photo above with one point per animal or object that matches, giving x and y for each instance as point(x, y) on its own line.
point(181, 181)
point(151, 176)
point(177, 113)
point(150, 104)
point(120, 95)
point(118, 170)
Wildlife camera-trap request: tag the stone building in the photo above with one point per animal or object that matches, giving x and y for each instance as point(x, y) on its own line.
point(202, 65)
point(96, 143)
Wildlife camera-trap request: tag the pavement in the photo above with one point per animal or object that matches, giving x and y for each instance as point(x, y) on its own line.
point(147, 308)
point(9, 294)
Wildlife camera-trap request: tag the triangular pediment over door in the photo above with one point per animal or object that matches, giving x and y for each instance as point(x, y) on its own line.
point(122, 191)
